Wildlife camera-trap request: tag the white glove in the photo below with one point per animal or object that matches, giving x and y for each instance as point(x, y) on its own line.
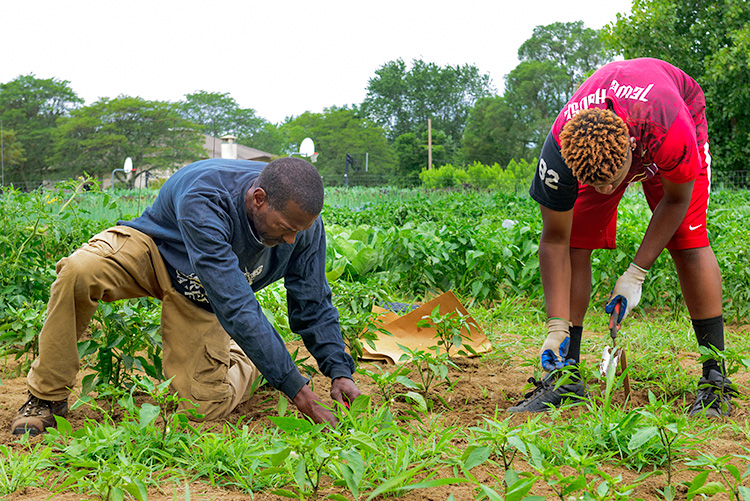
point(627, 291)
point(555, 347)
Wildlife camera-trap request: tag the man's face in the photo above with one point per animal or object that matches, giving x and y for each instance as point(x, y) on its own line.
point(609, 187)
point(274, 227)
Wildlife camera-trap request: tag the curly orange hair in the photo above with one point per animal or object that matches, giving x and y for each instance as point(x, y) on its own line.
point(595, 144)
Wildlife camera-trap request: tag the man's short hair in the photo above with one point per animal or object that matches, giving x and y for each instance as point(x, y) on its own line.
point(292, 178)
point(594, 144)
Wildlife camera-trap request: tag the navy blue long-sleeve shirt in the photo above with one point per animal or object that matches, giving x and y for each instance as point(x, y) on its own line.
point(200, 224)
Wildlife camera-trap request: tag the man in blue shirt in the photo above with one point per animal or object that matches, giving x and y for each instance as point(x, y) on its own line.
point(218, 231)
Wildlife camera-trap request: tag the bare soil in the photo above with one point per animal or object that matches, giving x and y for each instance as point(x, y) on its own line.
point(486, 386)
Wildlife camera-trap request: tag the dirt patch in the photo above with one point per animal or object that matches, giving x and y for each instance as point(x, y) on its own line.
point(485, 388)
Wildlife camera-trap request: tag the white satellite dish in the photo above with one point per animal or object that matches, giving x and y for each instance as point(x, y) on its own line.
point(128, 167)
point(307, 147)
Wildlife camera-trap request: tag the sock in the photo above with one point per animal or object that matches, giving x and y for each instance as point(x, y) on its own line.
point(710, 332)
point(574, 350)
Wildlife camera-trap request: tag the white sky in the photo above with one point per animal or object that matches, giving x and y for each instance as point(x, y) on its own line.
point(278, 57)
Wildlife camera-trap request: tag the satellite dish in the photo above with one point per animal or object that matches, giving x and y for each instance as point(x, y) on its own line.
point(307, 147)
point(128, 167)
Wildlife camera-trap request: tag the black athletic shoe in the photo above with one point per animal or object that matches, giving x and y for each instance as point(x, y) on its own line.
point(36, 415)
point(714, 398)
point(546, 395)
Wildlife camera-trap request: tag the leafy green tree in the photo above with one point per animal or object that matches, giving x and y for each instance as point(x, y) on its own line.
point(412, 154)
point(96, 139)
point(270, 138)
point(728, 98)
point(572, 46)
point(401, 99)
point(493, 133)
point(12, 151)
point(219, 114)
point(30, 107)
point(710, 41)
point(536, 91)
point(336, 132)
point(554, 62)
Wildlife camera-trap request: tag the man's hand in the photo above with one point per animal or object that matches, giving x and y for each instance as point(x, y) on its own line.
point(344, 391)
point(555, 347)
point(311, 406)
point(627, 290)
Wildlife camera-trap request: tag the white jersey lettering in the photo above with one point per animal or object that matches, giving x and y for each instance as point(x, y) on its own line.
point(645, 93)
point(549, 176)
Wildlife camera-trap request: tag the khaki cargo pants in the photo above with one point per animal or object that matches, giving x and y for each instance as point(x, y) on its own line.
point(208, 367)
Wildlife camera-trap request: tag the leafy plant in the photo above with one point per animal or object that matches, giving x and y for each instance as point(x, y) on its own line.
point(730, 474)
point(664, 424)
point(306, 441)
point(432, 373)
point(386, 380)
point(501, 438)
point(125, 331)
point(19, 335)
point(359, 325)
point(449, 330)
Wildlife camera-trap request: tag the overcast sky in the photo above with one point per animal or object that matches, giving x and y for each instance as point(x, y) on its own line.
point(278, 57)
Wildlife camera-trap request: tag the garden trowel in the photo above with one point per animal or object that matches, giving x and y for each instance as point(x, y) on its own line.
point(612, 355)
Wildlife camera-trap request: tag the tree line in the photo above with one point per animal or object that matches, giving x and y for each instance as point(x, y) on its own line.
point(49, 134)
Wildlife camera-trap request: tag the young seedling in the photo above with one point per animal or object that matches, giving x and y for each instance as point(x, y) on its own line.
point(664, 424)
point(730, 474)
point(432, 370)
point(307, 442)
point(452, 329)
point(502, 438)
point(386, 381)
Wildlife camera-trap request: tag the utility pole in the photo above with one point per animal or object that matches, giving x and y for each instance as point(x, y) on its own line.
point(429, 144)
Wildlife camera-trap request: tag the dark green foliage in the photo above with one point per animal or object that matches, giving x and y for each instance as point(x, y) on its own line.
point(29, 110)
point(99, 137)
point(493, 134)
point(710, 41)
point(336, 133)
point(572, 46)
point(401, 99)
point(125, 337)
point(219, 114)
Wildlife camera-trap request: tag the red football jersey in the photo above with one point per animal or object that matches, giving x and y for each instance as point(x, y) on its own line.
point(663, 107)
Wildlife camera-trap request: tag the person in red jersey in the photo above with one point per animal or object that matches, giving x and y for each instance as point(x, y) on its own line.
point(640, 120)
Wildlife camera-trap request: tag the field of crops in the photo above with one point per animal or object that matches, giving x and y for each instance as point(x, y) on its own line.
point(432, 428)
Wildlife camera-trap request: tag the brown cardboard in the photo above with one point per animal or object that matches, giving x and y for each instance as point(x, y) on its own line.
point(404, 331)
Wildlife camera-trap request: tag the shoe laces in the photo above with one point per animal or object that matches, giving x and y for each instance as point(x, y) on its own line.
point(35, 406)
point(540, 385)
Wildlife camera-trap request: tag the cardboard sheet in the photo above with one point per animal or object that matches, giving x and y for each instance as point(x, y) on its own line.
point(405, 332)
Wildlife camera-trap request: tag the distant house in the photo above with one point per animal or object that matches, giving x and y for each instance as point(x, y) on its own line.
point(224, 147)
point(227, 147)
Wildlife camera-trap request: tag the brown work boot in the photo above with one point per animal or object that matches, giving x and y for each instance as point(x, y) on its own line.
point(36, 415)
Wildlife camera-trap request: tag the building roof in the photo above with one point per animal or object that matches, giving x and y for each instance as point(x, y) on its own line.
point(212, 145)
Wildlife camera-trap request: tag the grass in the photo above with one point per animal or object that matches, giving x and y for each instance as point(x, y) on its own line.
point(376, 453)
point(604, 449)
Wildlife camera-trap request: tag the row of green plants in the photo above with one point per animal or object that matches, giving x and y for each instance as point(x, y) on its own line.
point(514, 178)
point(373, 453)
point(403, 245)
point(483, 245)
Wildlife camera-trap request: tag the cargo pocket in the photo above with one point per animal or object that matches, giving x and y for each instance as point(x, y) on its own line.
point(210, 377)
point(107, 243)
